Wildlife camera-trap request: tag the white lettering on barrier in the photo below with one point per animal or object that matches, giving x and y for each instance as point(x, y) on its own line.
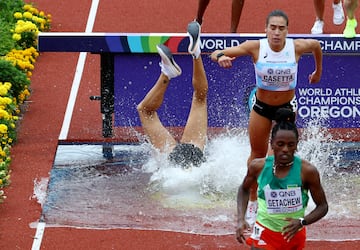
point(329, 103)
point(214, 44)
point(328, 111)
point(332, 100)
point(343, 45)
point(315, 91)
point(329, 92)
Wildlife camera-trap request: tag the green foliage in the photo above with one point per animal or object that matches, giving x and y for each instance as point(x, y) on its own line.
point(8, 8)
point(19, 27)
point(7, 22)
point(9, 73)
point(28, 39)
point(6, 41)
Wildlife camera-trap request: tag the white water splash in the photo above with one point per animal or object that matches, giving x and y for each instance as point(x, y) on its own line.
point(220, 175)
point(40, 187)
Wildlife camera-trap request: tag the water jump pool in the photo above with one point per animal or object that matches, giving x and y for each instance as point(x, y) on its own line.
point(139, 190)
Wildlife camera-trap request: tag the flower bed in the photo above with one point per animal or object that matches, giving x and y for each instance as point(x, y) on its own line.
point(20, 24)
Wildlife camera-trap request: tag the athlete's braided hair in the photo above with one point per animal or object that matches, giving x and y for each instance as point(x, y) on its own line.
point(285, 120)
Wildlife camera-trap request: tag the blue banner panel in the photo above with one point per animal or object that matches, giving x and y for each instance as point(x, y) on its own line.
point(336, 99)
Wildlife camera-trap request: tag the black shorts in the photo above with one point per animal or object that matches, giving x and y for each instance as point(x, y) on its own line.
point(186, 155)
point(269, 111)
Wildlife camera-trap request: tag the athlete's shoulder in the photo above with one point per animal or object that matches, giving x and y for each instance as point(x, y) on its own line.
point(308, 169)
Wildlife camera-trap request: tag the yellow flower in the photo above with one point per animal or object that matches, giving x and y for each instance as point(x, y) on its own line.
point(4, 114)
point(21, 64)
point(7, 85)
point(16, 37)
point(3, 130)
point(17, 15)
point(26, 91)
point(34, 10)
point(5, 100)
point(23, 26)
point(2, 153)
point(3, 90)
point(27, 15)
point(31, 67)
point(27, 6)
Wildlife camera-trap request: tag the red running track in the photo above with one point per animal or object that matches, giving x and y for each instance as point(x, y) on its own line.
point(38, 134)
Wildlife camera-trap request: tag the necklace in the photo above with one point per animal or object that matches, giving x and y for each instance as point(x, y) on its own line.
point(282, 165)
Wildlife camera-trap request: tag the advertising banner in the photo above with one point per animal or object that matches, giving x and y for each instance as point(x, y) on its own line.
point(334, 101)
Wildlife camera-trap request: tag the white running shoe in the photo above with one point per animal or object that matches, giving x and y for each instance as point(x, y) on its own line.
point(318, 27)
point(168, 65)
point(339, 16)
point(193, 31)
point(251, 211)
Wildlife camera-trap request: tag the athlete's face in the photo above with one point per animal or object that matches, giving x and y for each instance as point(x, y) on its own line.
point(276, 32)
point(284, 145)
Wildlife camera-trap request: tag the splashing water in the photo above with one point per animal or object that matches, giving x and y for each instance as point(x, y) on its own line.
point(40, 187)
point(216, 179)
point(316, 146)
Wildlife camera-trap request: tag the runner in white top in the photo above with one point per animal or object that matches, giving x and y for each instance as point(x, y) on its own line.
point(269, 100)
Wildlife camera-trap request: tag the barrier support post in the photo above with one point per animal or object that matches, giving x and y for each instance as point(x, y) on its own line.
point(107, 99)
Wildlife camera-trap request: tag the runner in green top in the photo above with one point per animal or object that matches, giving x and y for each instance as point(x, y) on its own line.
point(283, 183)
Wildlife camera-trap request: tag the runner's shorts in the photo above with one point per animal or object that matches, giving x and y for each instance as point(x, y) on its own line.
point(264, 238)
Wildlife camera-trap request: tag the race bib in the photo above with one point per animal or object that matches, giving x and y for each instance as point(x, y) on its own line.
point(283, 200)
point(257, 231)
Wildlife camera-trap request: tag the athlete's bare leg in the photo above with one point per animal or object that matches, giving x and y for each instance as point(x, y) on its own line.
point(236, 10)
point(259, 133)
point(159, 136)
point(195, 131)
point(201, 10)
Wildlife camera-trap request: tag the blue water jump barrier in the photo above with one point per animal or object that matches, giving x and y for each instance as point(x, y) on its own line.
point(129, 68)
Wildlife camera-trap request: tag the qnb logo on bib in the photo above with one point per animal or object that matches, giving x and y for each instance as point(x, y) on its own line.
point(283, 200)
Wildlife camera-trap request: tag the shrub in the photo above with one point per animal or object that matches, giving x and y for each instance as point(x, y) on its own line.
point(20, 24)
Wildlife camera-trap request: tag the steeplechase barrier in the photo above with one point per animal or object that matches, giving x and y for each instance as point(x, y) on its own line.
point(129, 68)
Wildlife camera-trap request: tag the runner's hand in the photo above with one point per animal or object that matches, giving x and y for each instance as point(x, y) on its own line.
point(314, 77)
point(226, 61)
point(240, 232)
point(291, 229)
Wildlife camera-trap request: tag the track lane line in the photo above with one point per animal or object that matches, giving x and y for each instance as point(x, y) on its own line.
point(78, 75)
